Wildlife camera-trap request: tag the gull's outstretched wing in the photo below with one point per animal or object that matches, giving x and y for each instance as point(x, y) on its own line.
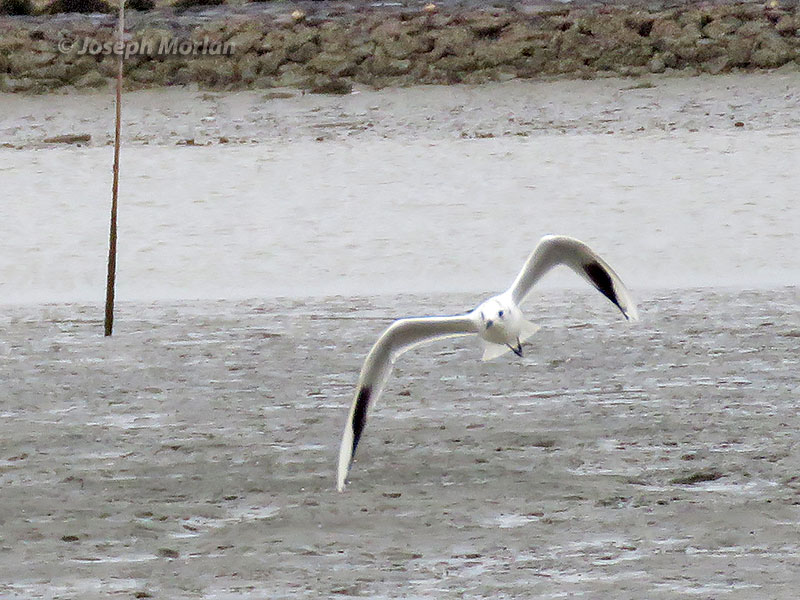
point(402, 335)
point(555, 250)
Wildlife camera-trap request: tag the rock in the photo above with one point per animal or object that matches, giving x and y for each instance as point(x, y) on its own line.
point(770, 51)
point(697, 477)
point(481, 76)
point(92, 79)
point(212, 72)
point(632, 71)
point(665, 29)
point(752, 28)
point(400, 49)
point(271, 62)
point(303, 53)
point(688, 48)
point(456, 41)
point(181, 76)
point(717, 65)
point(525, 32)
point(573, 44)
point(786, 26)
point(612, 27)
point(80, 67)
point(336, 65)
point(187, 4)
point(248, 68)
point(331, 85)
point(164, 70)
point(143, 74)
point(406, 45)
point(333, 37)
point(292, 75)
point(57, 70)
point(362, 51)
point(69, 138)
point(739, 51)
point(382, 64)
point(670, 60)
point(656, 65)
point(485, 25)
point(494, 53)
point(246, 41)
point(9, 84)
point(720, 28)
point(456, 64)
point(207, 34)
point(694, 17)
point(641, 22)
point(633, 56)
point(789, 67)
point(563, 66)
point(22, 62)
point(262, 83)
point(108, 66)
point(294, 39)
point(537, 62)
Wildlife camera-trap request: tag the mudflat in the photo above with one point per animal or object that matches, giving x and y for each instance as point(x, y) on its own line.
point(193, 454)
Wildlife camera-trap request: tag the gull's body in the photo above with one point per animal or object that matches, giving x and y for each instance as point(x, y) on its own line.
point(498, 321)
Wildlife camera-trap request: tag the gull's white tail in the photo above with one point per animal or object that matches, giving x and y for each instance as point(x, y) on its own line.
point(492, 351)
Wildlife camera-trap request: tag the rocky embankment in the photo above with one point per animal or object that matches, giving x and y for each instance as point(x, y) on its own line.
point(303, 45)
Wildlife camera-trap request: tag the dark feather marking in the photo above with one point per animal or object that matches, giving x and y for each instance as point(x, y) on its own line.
point(360, 415)
point(601, 280)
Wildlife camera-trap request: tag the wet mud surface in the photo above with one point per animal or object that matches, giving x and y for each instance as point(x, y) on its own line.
point(184, 117)
point(193, 454)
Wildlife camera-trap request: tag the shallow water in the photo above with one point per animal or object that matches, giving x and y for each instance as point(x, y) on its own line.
point(392, 216)
point(193, 454)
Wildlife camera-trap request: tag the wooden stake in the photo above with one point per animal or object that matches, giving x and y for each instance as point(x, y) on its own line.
point(112, 238)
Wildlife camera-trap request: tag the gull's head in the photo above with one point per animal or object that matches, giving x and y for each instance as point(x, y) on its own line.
point(499, 321)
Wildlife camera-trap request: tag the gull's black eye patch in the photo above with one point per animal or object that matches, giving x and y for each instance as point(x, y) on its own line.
point(500, 314)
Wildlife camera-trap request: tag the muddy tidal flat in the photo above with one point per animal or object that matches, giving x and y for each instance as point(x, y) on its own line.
point(193, 454)
point(267, 238)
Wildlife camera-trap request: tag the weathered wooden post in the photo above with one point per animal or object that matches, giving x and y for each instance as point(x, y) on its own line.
point(112, 238)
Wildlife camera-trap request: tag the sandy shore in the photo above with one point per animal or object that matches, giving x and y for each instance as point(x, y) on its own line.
point(193, 455)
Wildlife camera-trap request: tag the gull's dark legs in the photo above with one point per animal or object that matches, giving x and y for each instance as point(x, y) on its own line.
point(517, 350)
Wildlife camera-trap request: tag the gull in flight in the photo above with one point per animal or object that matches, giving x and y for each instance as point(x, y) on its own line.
point(498, 321)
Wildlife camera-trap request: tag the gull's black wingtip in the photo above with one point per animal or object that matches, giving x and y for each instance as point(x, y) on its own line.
point(360, 416)
point(602, 281)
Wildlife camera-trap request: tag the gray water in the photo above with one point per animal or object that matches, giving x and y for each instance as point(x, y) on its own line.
point(395, 215)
